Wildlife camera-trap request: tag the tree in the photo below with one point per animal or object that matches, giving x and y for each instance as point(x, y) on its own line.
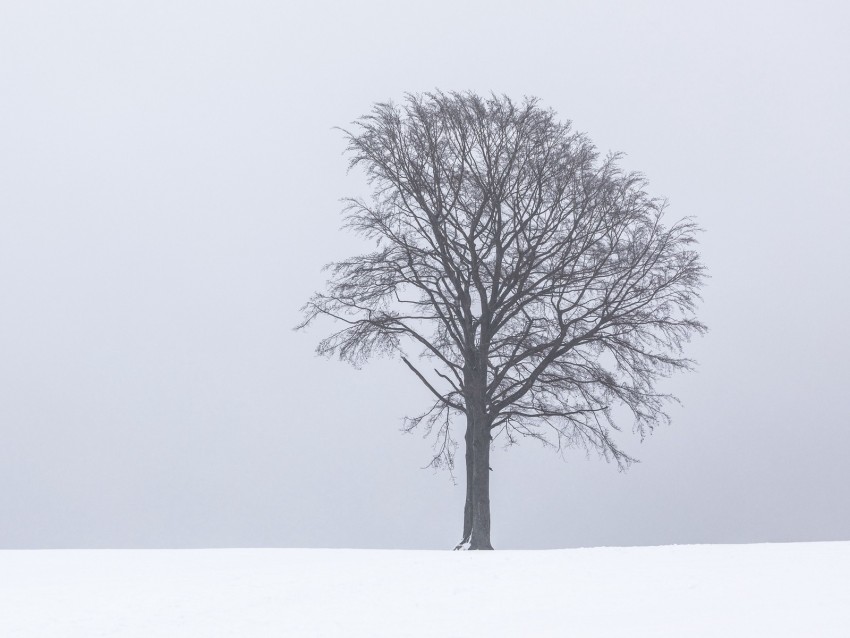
point(536, 277)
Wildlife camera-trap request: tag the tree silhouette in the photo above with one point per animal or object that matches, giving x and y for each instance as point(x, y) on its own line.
point(536, 279)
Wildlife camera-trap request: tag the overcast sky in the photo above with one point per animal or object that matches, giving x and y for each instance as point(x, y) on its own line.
point(169, 191)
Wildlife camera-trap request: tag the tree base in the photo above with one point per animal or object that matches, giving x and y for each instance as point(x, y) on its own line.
point(467, 545)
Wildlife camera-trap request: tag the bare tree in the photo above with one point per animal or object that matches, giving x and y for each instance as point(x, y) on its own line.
point(536, 278)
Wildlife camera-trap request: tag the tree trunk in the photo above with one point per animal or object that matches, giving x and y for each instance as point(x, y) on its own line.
point(476, 512)
point(467, 508)
point(480, 538)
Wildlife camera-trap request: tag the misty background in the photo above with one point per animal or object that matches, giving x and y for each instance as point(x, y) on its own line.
point(169, 191)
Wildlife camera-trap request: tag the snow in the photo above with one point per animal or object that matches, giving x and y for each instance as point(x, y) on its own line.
point(776, 590)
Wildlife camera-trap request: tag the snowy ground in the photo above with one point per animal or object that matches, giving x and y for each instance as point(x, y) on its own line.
point(773, 590)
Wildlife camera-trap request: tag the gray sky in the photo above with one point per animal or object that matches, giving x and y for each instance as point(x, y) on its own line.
point(169, 186)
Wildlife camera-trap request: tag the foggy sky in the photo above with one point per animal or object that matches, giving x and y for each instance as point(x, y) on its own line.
point(169, 191)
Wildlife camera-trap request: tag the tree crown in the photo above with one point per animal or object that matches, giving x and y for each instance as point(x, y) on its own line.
point(532, 272)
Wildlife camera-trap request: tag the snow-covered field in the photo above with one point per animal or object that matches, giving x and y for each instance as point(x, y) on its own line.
point(772, 590)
